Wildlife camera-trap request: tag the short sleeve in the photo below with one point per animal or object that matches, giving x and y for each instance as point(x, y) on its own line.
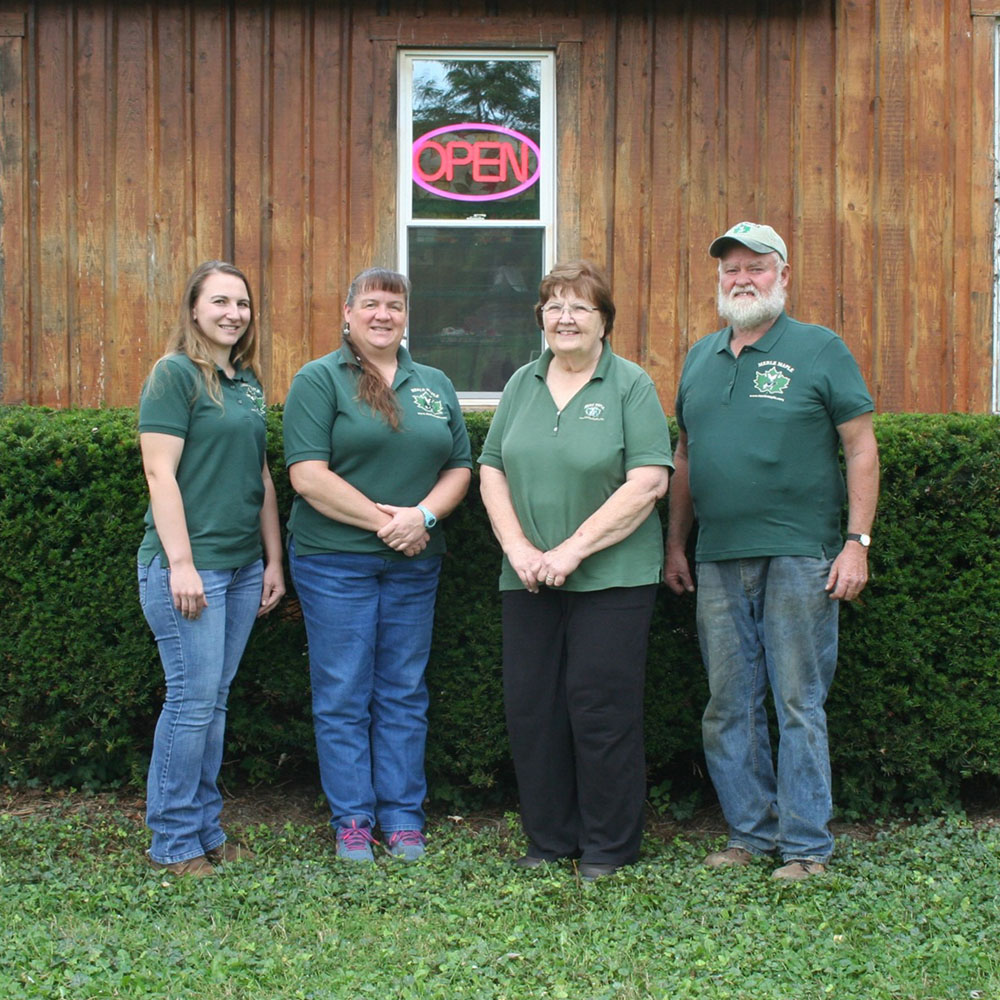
point(841, 383)
point(167, 398)
point(461, 450)
point(492, 446)
point(308, 416)
point(647, 434)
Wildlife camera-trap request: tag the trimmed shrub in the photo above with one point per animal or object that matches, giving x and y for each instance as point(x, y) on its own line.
point(915, 711)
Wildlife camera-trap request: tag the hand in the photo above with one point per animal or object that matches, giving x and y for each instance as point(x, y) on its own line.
point(417, 547)
point(404, 531)
point(273, 590)
point(557, 564)
point(849, 573)
point(525, 560)
point(188, 591)
point(677, 574)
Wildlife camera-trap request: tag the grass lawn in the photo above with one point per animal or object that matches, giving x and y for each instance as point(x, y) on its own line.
point(912, 912)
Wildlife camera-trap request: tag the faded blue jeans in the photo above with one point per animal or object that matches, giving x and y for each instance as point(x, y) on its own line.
point(368, 623)
point(768, 622)
point(199, 660)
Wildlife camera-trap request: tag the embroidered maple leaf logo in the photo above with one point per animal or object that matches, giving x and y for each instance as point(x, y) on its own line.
point(428, 402)
point(771, 382)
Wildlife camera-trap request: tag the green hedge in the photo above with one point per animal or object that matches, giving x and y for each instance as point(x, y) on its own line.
point(914, 714)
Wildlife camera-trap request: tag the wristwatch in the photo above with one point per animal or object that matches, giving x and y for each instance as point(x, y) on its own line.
point(853, 536)
point(429, 519)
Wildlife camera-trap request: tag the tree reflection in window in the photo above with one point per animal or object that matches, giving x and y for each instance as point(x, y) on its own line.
point(475, 261)
point(502, 92)
point(498, 92)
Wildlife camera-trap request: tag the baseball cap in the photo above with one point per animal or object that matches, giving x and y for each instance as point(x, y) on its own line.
point(757, 237)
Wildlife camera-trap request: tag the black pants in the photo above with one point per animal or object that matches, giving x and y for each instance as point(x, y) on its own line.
point(573, 675)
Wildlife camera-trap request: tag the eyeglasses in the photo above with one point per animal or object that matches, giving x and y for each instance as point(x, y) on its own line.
point(576, 309)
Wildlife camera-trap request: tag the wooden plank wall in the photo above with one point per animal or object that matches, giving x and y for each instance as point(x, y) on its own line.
point(139, 139)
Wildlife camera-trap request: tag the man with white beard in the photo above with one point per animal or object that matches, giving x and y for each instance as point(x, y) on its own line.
point(763, 406)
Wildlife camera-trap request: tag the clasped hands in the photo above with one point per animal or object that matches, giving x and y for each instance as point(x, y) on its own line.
point(404, 531)
point(537, 568)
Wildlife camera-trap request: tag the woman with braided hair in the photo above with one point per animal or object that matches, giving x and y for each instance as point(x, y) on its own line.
point(378, 454)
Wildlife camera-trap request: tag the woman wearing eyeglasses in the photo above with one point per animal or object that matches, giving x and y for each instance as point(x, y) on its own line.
point(576, 457)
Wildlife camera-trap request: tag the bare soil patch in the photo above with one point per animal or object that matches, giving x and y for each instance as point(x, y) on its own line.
point(302, 804)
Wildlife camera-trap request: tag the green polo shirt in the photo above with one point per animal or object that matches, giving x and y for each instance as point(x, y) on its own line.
point(325, 422)
point(562, 466)
point(762, 440)
point(219, 473)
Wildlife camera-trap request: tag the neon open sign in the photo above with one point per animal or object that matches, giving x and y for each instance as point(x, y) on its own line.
point(494, 161)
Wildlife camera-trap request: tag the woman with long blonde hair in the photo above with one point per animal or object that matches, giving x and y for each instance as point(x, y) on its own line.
point(210, 561)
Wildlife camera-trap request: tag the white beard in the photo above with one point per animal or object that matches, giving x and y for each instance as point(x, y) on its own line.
point(747, 314)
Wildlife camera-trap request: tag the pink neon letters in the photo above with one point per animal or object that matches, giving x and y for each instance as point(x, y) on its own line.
point(491, 161)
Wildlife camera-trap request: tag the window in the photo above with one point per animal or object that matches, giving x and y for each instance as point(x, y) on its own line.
point(476, 198)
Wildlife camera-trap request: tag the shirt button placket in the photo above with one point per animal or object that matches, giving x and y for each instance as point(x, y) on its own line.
point(733, 371)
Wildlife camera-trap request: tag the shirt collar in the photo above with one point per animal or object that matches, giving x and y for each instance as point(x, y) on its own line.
point(240, 374)
point(541, 367)
point(404, 361)
point(765, 343)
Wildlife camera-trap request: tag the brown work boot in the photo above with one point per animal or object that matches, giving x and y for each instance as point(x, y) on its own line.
point(731, 857)
point(229, 851)
point(798, 869)
point(199, 867)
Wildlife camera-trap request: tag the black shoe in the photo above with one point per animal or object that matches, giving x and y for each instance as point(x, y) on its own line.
point(527, 861)
point(590, 871)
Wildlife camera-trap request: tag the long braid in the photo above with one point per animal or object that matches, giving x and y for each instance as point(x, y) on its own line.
point(373, 390)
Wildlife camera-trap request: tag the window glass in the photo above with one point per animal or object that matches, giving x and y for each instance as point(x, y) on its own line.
point(472, 305)
point(476, 209)
point(457, 165)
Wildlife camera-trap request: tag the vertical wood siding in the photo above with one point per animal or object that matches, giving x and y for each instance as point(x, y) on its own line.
point(139, 139)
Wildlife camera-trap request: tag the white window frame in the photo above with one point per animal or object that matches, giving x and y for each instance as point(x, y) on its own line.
point(546, 180)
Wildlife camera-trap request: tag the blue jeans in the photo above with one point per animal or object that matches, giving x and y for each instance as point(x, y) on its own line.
point(369, 622)
point(769, 621)
point(199, 660)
